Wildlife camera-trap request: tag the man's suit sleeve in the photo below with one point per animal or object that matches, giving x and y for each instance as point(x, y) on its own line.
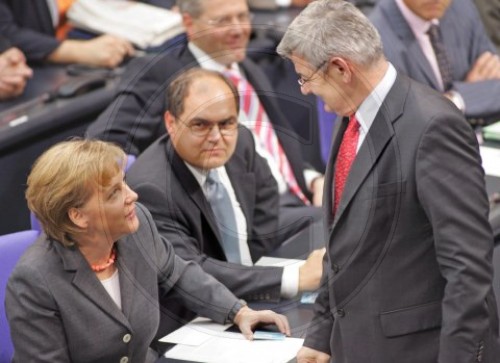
point(321, 326)
point(134, 119)
point(451, 190)
point(247, 282)
point(480, 98)
point(36, 46)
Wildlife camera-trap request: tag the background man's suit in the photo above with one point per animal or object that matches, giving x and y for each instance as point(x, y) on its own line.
point(28, 25)
point(464, 38)
point(183, 215)
point(408, 273)
point(60, 280)
point(135, 118)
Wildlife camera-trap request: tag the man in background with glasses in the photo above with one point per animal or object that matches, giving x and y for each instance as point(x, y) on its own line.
point(218, 32)
point(175, 177)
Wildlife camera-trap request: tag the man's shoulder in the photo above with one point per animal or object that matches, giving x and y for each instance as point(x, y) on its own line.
point(153, 68)
point(151, 164)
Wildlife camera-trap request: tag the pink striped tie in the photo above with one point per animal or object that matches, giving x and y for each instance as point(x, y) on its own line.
point(262, 127)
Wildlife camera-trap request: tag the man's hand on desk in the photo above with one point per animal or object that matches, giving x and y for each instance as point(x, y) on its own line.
point(14, 73)
point(310, 272)
point(247, 319)
point(104, 51)
point(308, 355)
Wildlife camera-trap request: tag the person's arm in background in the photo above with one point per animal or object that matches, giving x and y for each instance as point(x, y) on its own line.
point(14, 73)
point(39, 43)
point(103, 51)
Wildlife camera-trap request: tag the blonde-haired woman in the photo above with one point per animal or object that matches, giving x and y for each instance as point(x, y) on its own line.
point(87, 290)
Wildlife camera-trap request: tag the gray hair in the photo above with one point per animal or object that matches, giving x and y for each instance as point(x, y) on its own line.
point(191, 7)
point(327, 28)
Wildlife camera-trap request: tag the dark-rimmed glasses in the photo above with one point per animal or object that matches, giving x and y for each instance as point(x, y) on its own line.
point(203, 128)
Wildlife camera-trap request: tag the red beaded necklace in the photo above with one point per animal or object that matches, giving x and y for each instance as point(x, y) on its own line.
point(105, 265)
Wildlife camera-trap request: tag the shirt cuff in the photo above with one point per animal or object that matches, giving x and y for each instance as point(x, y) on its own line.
point(290, 280)
point(284, 3)
point(309, 176)
point(457, 99)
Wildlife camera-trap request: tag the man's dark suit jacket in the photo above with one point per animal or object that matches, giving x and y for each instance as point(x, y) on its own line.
point(28, 26)
point(135, 117)
point(184, 217)
point(465, 40)
point(408, 273)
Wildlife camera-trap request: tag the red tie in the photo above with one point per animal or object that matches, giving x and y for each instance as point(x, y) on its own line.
point(263, 128)
point(345, 158)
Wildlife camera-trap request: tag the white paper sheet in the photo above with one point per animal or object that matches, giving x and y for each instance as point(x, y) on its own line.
point(227, 350)
point(196, 332)
point(491, 160)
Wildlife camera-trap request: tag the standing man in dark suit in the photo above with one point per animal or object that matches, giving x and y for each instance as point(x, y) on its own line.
point(408, 273)
point(472, 75)
point(31, 26)
point(172, 178)
point(218, 32)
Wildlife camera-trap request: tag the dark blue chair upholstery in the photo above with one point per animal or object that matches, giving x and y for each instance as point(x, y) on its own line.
point(12, 246)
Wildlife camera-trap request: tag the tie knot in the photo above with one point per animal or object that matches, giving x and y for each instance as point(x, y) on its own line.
point(233, 76)
point(212, 177)
point(433, 32)
point(353, 124)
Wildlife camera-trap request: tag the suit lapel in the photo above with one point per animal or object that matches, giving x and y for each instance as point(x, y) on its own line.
point(192, 187)
point(329, 177)
point(86, 282)
point(415, 57)
point(243, 184)
point(379, 135)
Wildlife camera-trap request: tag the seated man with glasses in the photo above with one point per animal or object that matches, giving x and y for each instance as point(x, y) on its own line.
point(212, 196)
point(218, 33)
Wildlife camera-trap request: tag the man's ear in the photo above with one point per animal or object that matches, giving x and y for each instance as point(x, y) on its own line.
point(187, 21)
point(341, 68)
point(78, 218)
point(169, 123)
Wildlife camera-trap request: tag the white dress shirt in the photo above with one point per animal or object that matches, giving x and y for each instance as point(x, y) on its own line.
point(371, 105)
point(207, 62)
point(290, 277)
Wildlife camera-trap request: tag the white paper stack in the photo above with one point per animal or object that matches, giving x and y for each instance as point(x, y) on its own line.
point(142, 24)
point(204, 341)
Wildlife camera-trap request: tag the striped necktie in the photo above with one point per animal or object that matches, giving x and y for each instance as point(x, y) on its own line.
point(345, 158)
point(262, 127)
point(443, 61)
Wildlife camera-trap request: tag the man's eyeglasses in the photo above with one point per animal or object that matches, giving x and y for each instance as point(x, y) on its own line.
point(203, 128)
point(241, 18)
point(302, 80)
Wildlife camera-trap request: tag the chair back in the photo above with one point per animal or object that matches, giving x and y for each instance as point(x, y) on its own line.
point(12, 246)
